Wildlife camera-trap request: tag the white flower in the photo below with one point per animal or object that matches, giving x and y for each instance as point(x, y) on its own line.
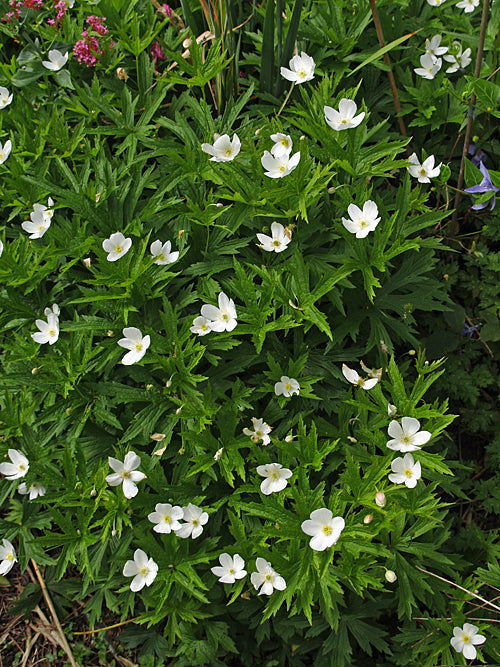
point(430, 66)
point(195, 518)
point(5, 98)
point(260, 432)
point(126, 474)
point(116, 246)
point(345, 118)
point(301, 69)
point(277, 167)
point(467, 5)
point(432, 46)
point(35, 490)
point(201, 326)
point(136, 343)
point(223, 149)
point(287, 386)
point(425, 171)
point(5, 151)
point(407, 438)
point(458, 58)
point(282, 144)
point(56, 60)
point(371, 372)
point(323, 528)
point(406, 471)
point(353, 377)
point(266, 578)
point(276, 477)
point(281, 237)
point(48, 331)
point(435, 3)
point(7, 557)
point(143, 570)
point(166, 517)
point(222, 318)
point(40, 220)
point(162, 252)
point(362, 222)
point(232, 568)
point(18, 468)
point(464, 639)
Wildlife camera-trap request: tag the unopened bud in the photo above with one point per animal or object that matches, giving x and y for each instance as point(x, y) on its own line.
point(390, 576)
point(368, 518)
point(392, 410)
point(331, 190)
point(181, 451)
point(187, 43)
point(68, 411)
point(113, 532)
point(180, 233)
point(289, 438)
point(258, 131)
point(110, 333)
point(157, 437)
point(412, 353)
point(34, 371)
point(86, 261)
point(380, 499)
point(149, 387)
point(446, 276)
point(218, 454)
point(178, 411)
point(93, 493)
point(97, 196)
point(168, 383)
point(351, 439)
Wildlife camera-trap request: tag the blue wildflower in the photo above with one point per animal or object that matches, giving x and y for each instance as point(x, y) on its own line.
point(485, 186)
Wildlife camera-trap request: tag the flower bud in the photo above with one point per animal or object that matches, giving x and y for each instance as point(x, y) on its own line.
point(218, 454)
point(34, 371)
point(412, 353)
point(390, 576)
point(380, 499)
point(110, 333)
point(289, 438)
point(178, 411)
point(121, 73)
point(368, 518)
point(93, 493)
point(113, 532)
point(157, 437)
point(86, 261)
point(187, 43)
point(149, 387)
point(392, 410)
point(351, 439)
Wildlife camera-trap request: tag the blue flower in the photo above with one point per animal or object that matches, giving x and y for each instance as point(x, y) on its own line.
point(485, 186)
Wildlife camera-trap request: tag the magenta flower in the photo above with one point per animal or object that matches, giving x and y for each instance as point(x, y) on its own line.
point(481, 188)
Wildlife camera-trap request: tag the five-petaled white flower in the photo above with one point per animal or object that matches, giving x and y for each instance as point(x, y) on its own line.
point(222, 318)
point(467, 5)
point(18, 468)
point(5, 98)
point(166, 517)
point(276, 477)
point(429, 66)
point(323, 528)
point(36, 489)
point(408, 437)
point(433, 48)
point(279, 239)
point(260, 432)
point(457, 58)
point(41, 218)
point(126, 473)
point(354, 378)
point(362, 222)
point(136, 343)
point(56, 60)
point(301, 69)
point(162, 252)
point(142, 568)
point(282, 144)
point(5, 151)
point(465, 640)
point(116, 246)
point(195, 518)
point(277, 167)
point(266, 578)
point(405, 471)
point(223, 149)
point(7, 557)
point(345, 118)
point(49, 330)
point(425, 171)
point(231, 568)
point(287, 386)
point(201, 326)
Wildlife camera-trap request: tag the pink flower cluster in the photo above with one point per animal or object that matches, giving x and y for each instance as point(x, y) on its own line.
point(88, 50)
point(17, 5)
point(61, 7)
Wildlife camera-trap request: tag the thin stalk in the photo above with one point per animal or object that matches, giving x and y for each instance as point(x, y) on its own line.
point(381, 40)
point(286, 99)
point(453, 226)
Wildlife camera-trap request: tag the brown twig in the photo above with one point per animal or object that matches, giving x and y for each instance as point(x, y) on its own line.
point(381, 40)
point(451, 583)
point(453, 226)
point(108, 627)
point(64, 641)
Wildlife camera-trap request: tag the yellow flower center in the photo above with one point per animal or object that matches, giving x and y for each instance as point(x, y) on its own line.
point(228, 151)
point(22, 466)
point(408, 472)
point(203, 327)
point(9, 556)
point(118, 249)
point(196, 522)
point(138, 346)
point(288, 386)
point(422, 171)
point(327, 530)
point(166, 518)
point(268, 577)
point(143, 571)
point(282, 167)
point(161, 257)
point(406, 440)
point(465, 638)
point(40, 228)
point(276, 242)
point(302, 73)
